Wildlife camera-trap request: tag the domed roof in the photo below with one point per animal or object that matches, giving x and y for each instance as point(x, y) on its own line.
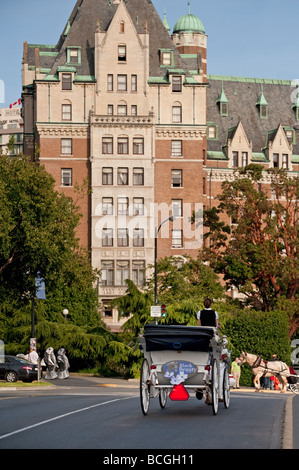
point(189, 23)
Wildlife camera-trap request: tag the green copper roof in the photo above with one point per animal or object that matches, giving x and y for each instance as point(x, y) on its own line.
point(189, 23)
point(166, 25)
point(222, 98)
point(262, 100)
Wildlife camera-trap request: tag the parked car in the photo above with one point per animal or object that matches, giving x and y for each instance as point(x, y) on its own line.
point(232, 381)
point(17, 368)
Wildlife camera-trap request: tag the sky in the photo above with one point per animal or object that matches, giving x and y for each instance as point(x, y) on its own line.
point(246, 38)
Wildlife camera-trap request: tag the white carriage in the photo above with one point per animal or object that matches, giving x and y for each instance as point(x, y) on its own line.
point(179, 360)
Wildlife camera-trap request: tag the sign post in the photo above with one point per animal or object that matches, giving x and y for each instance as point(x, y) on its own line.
point(156, 311)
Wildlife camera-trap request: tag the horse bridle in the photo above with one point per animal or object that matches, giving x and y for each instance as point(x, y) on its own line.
point(256, 363)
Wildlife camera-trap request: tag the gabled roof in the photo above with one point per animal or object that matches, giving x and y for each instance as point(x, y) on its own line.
point(82, 24)
point(242, 95)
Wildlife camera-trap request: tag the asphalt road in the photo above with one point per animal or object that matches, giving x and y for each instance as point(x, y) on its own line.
point(91, 413)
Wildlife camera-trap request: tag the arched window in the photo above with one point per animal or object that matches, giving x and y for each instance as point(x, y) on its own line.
point(122, 109)
point(66, 111)
point(176, 112)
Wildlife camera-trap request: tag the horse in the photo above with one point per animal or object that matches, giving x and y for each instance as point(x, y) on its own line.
point(261, 368)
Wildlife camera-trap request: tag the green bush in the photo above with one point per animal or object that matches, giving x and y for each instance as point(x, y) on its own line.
point(260, 333)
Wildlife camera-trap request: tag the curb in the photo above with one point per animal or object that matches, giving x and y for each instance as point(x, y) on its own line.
point(287, 438)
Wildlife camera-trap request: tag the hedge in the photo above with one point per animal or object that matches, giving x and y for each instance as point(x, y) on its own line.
point(260, 333)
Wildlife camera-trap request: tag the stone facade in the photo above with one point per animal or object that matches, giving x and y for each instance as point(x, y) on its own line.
point(11, 125)
point(121, 104)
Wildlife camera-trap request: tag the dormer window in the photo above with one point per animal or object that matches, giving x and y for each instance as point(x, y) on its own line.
point(176, 83)
point(290, 135)
point(262, 105)
point(264, 111)
point(66, 81)
point(73, 55)
point(224, 109)
point(166, 57)
point(223, 103)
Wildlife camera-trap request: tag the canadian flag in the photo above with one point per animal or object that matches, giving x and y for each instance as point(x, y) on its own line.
point(16, 103)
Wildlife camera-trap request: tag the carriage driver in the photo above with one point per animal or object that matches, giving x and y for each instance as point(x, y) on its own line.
point(207, 316)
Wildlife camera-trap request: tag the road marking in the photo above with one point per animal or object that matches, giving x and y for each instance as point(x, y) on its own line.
point(61, 416)
point(106, 385)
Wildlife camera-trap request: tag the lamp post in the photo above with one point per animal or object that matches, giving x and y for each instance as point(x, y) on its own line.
point(171, 218)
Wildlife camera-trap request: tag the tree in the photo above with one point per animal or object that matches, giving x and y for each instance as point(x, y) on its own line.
point(182, 287)
point(260, 255)
point(38, 238)
point(37, 225)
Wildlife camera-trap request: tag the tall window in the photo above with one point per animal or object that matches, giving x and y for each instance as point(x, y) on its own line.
point(177, 178)
point(285, 160)
point(263, 111)
point(212, 132)
point(138, 206)
point(66, 81)
point(107, 273)
point(66, 147)
point(107, 145)
point(122, 53)
point(73, 55)
point(107, 176)
point(66, 112)
point(177, 113)
point(122, 205)
point(166, 58)
point(138, 237)
point(123, 145)
point(244, 159)
point(177, 239)
point(133, 82)
point(176, 84)
point(176, 148)
point(138, 272)
point(122, 237)
point(122, 272)
point(177, 207)
point(109, 82)
point(122, 110)
point(138, 176)
point(275, 160)
point(66, 177)
point(107, 237)
point(235, 159)
point(122, 176)
point(121, 82)
point(138, 146)
point(107, 206)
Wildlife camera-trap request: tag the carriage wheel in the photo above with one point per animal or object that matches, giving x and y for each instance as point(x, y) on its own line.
point(144, 387)
point(215, 387)
point(294, 388)
point(226, 388)
point(163, 397)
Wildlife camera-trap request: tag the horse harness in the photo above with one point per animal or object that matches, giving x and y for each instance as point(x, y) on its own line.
point(258, 363)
